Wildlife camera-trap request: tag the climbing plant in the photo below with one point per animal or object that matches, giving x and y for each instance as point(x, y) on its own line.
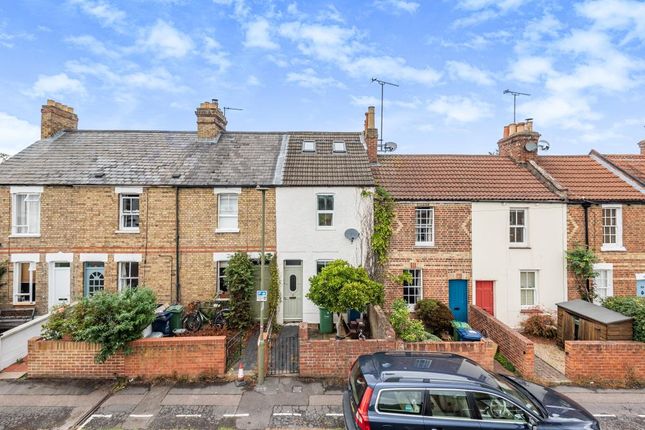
point(3, 269)
point(240, 280)
point(383, 217)
point(580, 261)
point(274, 288)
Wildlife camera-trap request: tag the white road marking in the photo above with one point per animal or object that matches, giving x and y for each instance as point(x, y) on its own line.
point(141, 415)
point(286, 414)
point(604, 415)
point(334, 414)
point(641, 416)
point(92, 417)
point(188, 415)
point(235, 415)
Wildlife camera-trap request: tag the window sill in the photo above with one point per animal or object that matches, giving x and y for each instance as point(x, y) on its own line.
point(424, 245)
point(24, 303)
point(227, 230)
point(606, 248)
point(323, 228)
point(519, 247)
point(13, 236)
point(530, 310)
point(133, 231)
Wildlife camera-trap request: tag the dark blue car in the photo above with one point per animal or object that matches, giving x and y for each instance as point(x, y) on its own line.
point(435, 391)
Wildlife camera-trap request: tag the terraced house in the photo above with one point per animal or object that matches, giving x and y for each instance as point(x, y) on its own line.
point(89, 210)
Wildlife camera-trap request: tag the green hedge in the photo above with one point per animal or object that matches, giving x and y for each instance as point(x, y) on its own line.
point(632, 307)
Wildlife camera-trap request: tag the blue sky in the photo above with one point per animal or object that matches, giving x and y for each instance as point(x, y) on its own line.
point(307, 65)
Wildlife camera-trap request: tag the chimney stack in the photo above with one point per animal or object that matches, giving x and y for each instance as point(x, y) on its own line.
point(516, 139)
point(371, 135)
point(56, 117)
point(642, 145)
point(210, 120)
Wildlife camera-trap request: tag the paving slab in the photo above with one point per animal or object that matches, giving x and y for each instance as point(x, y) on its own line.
point(228, 388)
point(51, 387)
point(326, 400)
point(202, 399)
point(147, 407)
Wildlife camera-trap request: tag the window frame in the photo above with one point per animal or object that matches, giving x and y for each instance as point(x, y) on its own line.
point(609, 269)
point(419, 287)
point(228, 193)
point(429, 226)
point(86, 286)
point(323, 263)
point(17, 282)
point(534, 289)
point(221, 264)
point(422, 412)
point(308, 149)
point(120, 278)
point(27, 192)
point(524, 227)
point(339, 147)
point(618, 245)
point(325, 211)
point(131, 213)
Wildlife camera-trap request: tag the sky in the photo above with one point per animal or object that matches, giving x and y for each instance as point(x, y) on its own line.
point(308, 65)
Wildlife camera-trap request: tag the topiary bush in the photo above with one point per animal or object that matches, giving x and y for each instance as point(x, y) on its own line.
point(541, 325)
point(406, 328)
point(240, 279)
point(274, 288)
point(632, 307)
point(436, 316)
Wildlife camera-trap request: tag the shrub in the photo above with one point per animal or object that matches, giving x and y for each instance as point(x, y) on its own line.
point(542, 325)
point(580, 261)
point(406, 328)
point(505, 362)
point(632, 307)
point(436, 316)
point(240, 280)
point(274, 288)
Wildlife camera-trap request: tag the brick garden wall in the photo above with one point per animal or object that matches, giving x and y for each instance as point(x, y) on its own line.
point(517, 348)
point(611, 362)
point(333, 358)
point(150, 358)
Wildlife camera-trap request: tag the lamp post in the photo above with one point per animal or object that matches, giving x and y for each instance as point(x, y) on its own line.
point(261, 369)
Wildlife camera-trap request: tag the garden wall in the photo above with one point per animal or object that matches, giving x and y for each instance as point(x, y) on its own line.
point(613, 362)
point(150, 358)
point(517, 348)
point(333, 358)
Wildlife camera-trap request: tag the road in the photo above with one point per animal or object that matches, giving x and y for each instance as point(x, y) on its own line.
point(280, 403)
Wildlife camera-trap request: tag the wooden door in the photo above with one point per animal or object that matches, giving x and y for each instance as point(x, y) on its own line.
point(484, 296)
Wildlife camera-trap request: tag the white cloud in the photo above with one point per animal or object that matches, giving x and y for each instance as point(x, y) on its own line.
point(459, 108)
point(397, 5)
point(105, 13)
point(484, 10)
point(240, 8)
point(56, 86)
point(93, 45)
point(476, 41)
point(215, 55)
point(375, 101)
point(324, 42)
point(253, 81)
point(165, 41)
point(468, 72)
point(308, 78)
point(562, 110)
point(392, 68)
point(258, 35)
point(627, 15)
point(531, 69)
point(16, 133)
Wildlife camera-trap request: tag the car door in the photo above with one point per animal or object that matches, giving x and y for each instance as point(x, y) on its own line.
point(449, 409)
point(399, 408)
point(496, 412)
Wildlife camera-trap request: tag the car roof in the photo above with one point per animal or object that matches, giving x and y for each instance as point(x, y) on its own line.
point(425, 368)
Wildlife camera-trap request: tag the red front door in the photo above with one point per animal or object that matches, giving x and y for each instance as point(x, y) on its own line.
point(484, 296)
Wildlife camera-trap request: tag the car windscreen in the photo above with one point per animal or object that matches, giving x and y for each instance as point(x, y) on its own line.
point(519, 396)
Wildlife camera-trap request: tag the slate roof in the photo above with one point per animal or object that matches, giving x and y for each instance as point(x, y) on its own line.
point(593, 312)
point(324, 167)
point(632, 164)
point(586, 179)
point(459, 177)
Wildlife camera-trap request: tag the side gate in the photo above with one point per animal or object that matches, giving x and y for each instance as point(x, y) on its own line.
point(284, 356)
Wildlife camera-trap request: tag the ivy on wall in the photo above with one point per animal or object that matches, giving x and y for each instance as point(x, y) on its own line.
point(580, 261)
point(383, 217)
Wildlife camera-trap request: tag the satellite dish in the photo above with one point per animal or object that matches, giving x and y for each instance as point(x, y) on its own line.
point(352, 234)
point(389, 146)
point(531, 146)
point(544, 145)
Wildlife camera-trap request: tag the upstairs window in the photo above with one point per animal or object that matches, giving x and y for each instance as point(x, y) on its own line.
point(424, 227)
point(517, 226)
point(129, 212)
point(413, 291)
point(227, 212)
point(325, 210)
point(339, 146)
point(612, 228)
point(26, 211)
point(308, 146)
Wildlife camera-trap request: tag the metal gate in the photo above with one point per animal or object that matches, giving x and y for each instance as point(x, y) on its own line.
point(234, 346)
point(284, 358)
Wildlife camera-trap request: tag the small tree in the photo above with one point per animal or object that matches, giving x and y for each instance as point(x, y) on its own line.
point(340, 287)
point(240, 278)
point(274, 288)
point(580, 261)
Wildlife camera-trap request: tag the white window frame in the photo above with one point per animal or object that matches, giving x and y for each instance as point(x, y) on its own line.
point(323, 262)
point(308, 146)
point(339, 146)
point(122, 214)
point(534, 289)
point(609, 269)
point(325, 211)
point(419, 286)
point(17, 274)
point(121, 279)
point(219, 265)
point(429, 227)
point(618, 245)
point(228, 192)
point(30, 193)
point(523, 227)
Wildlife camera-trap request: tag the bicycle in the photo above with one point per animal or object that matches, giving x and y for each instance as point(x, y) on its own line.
point(215, 316)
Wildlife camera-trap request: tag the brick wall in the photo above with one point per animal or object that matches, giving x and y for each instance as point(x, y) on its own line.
point(517, 348)
point(150, 358)
point(85, 219)
point(333, 358)
point(449, 258)
point(605, 362)
point(625, 263)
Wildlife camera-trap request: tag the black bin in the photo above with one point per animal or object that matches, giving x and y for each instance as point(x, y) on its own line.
point(162, 323)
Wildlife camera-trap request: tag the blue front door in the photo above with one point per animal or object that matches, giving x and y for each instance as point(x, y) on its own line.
point(458, 298)
point(93, 278)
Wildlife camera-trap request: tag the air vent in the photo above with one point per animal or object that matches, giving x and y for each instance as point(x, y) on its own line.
point(99, 174)
point(176, 175)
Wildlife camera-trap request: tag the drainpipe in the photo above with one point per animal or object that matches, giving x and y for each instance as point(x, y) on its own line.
point(585, 206)
point(177, 286)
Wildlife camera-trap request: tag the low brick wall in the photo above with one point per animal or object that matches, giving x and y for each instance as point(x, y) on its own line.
point(517, 348)
point(150, 358)
point(613, 362)
point(333, 358)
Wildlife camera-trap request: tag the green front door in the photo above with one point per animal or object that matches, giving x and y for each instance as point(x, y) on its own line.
point(292, 291)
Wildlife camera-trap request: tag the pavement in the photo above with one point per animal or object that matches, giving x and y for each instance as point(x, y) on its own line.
point(280, 403)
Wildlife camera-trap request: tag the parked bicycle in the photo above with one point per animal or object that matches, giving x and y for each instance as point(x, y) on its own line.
point(212, 313)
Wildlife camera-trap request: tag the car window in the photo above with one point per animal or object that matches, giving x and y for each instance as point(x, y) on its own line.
point(496, 408)
point(449, 404)
point(401, 402)
point(358, 383)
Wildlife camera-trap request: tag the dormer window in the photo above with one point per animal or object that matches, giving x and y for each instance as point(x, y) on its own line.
point(308, 146)
point(339, 146)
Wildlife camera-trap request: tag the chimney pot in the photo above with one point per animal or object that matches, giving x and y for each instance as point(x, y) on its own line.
point(505, 131)
point(56, 117)
point(210, 120)
point(516, 137)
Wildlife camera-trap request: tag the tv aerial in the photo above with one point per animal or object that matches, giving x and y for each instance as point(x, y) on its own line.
point(383, 84)
point(515, 95)
point(225, 108)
